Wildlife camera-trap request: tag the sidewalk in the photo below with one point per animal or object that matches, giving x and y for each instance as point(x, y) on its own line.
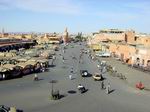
point(133, 76)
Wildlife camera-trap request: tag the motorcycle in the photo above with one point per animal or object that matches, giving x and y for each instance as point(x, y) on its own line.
point(81, 89)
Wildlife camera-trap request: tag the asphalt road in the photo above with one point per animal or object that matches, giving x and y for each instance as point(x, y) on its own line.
point(32, 96)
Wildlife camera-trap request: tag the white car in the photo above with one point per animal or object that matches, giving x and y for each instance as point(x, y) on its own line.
point(106, 54)
point(97, 76)
point(103, 54)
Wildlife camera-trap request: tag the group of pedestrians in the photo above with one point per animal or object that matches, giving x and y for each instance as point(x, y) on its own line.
point(71, 72)
point(103, 86)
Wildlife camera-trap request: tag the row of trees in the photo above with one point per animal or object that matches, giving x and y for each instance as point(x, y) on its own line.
point(80, 37)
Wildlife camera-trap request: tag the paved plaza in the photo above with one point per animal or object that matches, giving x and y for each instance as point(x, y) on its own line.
point(133, 75)
point(31, 96)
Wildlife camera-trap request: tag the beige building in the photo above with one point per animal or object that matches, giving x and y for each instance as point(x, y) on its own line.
point(113, 35)
point(143, 40)
point(51, 39)
point(142, 56)
point(126, 45)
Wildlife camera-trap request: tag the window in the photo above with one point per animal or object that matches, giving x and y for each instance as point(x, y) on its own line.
point(135, 38)
point(138, 61)
point(126, 38)
point(148, 63)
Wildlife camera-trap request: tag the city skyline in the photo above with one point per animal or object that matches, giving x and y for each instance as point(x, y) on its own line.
point(78, 15)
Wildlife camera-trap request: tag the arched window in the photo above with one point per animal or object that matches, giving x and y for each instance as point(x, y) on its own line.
point(148, 63)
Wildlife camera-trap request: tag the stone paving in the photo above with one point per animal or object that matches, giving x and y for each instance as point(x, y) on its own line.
point(133, 75)
point(32, 96)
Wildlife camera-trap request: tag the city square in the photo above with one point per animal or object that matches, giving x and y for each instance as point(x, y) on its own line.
point(74, 56)
point(32, 96)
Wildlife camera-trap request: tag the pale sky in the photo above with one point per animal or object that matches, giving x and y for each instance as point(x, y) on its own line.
point(77, 15)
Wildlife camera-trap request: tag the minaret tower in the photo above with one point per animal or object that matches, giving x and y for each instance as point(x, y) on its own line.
point(66, 36)
point(3, 32)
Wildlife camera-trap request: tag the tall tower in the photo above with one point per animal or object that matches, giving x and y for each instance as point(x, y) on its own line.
point(3, 32)
point(45, 35)
point(66, 36)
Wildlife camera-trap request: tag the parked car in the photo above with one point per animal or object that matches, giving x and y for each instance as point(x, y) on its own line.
point(97, 77)
point(84, 73)
point(103, 54)
point(4, 73)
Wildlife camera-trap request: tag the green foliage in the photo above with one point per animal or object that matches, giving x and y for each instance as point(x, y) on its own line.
point(79, 37)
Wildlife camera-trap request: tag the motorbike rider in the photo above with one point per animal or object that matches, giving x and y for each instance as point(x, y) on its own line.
point(80, 86)
point(70, 77)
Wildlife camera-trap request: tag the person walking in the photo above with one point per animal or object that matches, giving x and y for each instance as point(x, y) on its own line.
point(108, 88)
point(53, 59)
point(71, 70)
point(35, 77)
point(102, 84)
point(63, 59)
point(3, 76)
point(70, 77)
point(63, 50)
point(98, 66)
point(114, 69)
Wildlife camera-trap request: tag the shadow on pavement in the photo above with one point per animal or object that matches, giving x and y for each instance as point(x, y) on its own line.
point(86, 90)
point(111, 91)
point(52, 65)
point(72, 92)
point(19, 110)
point(62, 96)
point(40, 79)
point(65, 67)
point(89, 75)
point(104, 78)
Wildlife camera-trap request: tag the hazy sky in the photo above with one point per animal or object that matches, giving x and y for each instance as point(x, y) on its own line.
point(77, 15)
